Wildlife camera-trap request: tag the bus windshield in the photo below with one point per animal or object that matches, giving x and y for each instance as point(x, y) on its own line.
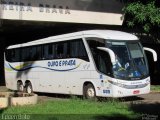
point(130, 60)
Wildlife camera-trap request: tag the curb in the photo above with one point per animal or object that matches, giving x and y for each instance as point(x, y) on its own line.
point(7, 100)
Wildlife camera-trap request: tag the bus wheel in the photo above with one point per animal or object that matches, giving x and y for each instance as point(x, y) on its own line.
point(89, 92)
point(20, 87)
point(29, 88)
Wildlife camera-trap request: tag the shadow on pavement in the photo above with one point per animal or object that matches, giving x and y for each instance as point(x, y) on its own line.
point(146, 108)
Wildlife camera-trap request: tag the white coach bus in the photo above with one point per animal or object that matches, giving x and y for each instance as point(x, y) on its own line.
point(93, 63)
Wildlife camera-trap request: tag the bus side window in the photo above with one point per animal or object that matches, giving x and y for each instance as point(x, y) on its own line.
point(48, 51)
point(60, 50)
point(73, 49)
point(101, 58)
point(24, 54)
point(65, 50)
point(11, 55)
point(82, 51)
point(8, 55)
point(51, 51)
point(39, 52)
point(77, 50)
point(34, 54)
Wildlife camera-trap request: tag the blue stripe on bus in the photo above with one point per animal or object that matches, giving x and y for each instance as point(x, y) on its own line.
point(30, 67)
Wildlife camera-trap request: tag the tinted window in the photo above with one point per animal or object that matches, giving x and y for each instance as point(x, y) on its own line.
point(101, 58)
point(58, 50)
point(77, 50)
point(13, 55)
point(61, 50)
point(48, 51)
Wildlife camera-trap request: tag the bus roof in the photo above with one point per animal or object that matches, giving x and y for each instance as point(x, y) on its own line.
point(105, 34)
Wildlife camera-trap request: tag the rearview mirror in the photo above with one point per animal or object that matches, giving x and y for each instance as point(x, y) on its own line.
point(153, 53)
point(110, 52)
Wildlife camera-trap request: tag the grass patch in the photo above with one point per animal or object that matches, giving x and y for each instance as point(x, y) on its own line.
point(74, 109)
point(155, 88)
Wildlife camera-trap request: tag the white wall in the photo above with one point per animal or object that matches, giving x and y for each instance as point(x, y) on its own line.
point(74, 11)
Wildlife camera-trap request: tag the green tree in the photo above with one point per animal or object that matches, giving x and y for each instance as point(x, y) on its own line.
point(144, 14)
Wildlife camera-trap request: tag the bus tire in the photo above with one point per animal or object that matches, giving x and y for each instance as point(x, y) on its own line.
point(89, 92)
point(20, 86)
point(29, 88)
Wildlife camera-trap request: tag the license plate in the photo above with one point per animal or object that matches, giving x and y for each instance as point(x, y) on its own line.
point(136, 92)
